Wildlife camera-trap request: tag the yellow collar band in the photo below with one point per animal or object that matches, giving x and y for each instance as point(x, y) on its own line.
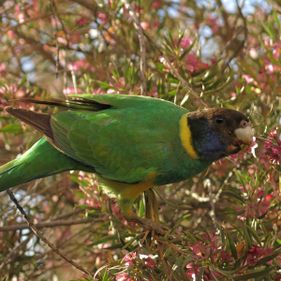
point(186, 137)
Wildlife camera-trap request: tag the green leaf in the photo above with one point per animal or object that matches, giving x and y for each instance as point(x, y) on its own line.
point(12, 129)
point(105, 276)
point(268, 30)
point(104, 240)
point(258, 273)
point(104, 85)
point(141, 207)
point(234, 193)
point(231, 245)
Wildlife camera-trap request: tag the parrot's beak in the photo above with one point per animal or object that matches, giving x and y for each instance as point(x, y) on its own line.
point(244, 136)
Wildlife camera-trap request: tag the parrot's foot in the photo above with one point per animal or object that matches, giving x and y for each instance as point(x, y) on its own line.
point(151, 205)
point(148, 224)
point(151, 222)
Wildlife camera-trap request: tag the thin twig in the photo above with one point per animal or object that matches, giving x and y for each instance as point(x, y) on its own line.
point(54, 9)
point(40, 235)
point(54, 223)
point(36, 45)
point(242, 41)
point(197, 100)
point(141, 38)
point(90, 5)
point(12, 254)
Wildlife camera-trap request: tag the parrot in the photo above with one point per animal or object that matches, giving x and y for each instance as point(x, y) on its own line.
point(131, 143)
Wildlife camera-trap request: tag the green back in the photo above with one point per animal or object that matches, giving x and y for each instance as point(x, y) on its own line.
point(134, 138)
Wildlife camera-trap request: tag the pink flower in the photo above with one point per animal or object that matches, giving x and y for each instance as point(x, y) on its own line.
point(82, 21)
point(194, 64)
point(255, 253)
point(156, 4)
point(19, 14)
point(102, 17)
point(3, 103)
point(225, 256)
point(145, 25)
point(98, 91)
point(153, 92)
point(93, 203)
point(259, 203)
point(185, 42)
point(129, 259)
point(120, 84)
point(269, 68)
point(253, 53)
point(213, 24)
point(198, 249)
point(71, 90)
point(115, 209)
point(123, 276)
point(272, 148)
point(276, 50)
point(81, 64)
point(192, 270)
point(267, 42)
point(150, 263)
point(2, 68)
point(248, 79)
point(11, 34)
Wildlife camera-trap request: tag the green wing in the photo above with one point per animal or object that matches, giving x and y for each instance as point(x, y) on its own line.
point(127, 140)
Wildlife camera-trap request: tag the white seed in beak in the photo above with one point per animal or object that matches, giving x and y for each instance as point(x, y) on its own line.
point(245, 134)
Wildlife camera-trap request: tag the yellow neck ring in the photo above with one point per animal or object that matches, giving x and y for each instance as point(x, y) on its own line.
point(186, 137)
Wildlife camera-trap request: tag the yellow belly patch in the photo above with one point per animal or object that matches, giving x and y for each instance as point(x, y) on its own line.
point(186, 137)
point(127, 190)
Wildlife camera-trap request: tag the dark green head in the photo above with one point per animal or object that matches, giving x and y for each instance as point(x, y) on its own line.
point(218, 132)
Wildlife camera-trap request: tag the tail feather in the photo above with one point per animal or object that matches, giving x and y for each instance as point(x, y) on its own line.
point(39, 121)
point(41, 160)
point(73, 102)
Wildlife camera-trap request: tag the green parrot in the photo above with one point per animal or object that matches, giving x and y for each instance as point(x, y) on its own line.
point(131, 143)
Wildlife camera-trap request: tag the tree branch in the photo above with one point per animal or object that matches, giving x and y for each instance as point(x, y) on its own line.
point(238, 40)
point(49, 224)
point(90, 5)
point(141, 38)
point(175, 72)
point(40, 235)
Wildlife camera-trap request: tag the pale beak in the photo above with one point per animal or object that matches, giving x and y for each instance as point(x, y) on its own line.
point(245, 135)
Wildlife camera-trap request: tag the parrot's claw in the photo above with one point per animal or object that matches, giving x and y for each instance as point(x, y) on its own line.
point(151, 205)
point(148, 224)
point(151, 222)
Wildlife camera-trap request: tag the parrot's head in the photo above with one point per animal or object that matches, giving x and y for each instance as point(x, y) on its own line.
point(219, 132)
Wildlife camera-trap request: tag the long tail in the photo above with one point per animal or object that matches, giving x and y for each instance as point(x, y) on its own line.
point(41, 160)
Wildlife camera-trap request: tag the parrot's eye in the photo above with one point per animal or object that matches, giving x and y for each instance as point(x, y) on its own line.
point(219, 120)
point(244, 123)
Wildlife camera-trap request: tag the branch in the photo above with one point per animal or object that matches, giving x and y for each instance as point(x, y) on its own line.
point(12, 254)
point(224, 14)
point(197, 100)
point(90, 5)
point(40, 235)
point(54, 223)
point(174, 71)
point(36, 45)
point(241, 41)
point(141, 38)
